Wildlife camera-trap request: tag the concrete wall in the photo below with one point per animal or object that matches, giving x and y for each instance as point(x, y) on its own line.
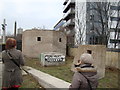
point(112, 59)
point(57, 45)
point(72, 51)
point(47, 81)
point(98, 53)
point(33, 48)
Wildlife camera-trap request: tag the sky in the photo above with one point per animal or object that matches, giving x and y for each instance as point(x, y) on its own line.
point(30, 13)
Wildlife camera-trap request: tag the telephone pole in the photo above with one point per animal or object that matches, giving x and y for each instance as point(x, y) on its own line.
point(15, 28)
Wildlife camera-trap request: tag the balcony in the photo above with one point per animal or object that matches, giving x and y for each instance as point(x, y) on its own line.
point(115, 7)
point(114, 18)
point(65, 2)
point(70, 22)
point(69, 14)
point(59, 24)
point(114, 41)
point(70, 3)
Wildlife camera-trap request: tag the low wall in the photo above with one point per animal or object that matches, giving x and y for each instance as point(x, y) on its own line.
point(98, 53)
point(72, 51)
point(47, 81)
point(112, 58)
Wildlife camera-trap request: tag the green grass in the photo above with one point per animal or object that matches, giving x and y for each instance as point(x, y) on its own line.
point(110, 80)
point(64, 72)
point(30, 82)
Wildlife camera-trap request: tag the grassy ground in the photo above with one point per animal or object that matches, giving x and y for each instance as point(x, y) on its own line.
point(30, 82)
point(111, 79)
point(63, 72)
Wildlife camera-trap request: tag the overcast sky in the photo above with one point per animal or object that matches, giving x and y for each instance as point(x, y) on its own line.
point(30, 13)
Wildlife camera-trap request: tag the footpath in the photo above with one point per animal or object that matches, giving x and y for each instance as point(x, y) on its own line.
point(47, 81)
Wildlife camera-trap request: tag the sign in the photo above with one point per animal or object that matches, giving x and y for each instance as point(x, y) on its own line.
point(54, 58)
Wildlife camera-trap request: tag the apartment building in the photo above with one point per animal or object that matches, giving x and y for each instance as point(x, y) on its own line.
point(69, 17)
point(114, 24)
point(79, 22)
point(86, 22)
point(59, 25)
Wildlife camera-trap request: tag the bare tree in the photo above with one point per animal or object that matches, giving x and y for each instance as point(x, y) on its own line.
point(101, 10)
point(103, 15)
point(80, 21)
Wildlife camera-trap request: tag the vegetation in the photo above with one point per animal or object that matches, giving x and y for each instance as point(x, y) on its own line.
point(30, 82)
point(64, 72)
point(110, 80)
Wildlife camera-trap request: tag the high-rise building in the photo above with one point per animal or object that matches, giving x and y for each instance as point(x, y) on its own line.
point(88, 22)
point(114, 24)
point(59, 25)
point(80, 22)
point(69, 17)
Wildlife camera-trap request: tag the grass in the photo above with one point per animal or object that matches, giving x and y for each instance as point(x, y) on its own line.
point(64, 72)
point(110, 80)
point(30, 82)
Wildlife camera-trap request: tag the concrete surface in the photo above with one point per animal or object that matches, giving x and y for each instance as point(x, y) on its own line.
point(112, 59)
point(50, 41)
point(46, 80)
point(99, 56)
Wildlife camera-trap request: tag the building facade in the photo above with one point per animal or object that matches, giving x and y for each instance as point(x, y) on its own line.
point(36, 41)
point(114, 24)
point(88, 22)
point(69, 17)
point(59, 25)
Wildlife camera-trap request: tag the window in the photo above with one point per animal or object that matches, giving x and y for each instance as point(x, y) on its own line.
point(90, 40)
point(91, 17)
point(96, 40)
point(115, 18)
point(60, 40)
point(89, 51)
point(38, 38)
